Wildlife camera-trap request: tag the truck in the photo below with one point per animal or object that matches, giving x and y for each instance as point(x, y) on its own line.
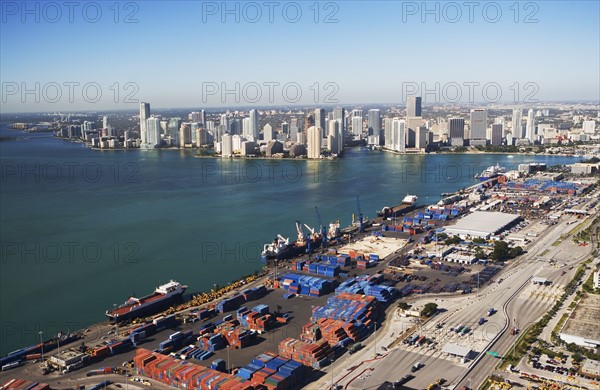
point(491, 311)
point(514, 331)
point(354, 348)
point(459, 328)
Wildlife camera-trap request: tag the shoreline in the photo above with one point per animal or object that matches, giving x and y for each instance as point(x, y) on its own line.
point(416, 153)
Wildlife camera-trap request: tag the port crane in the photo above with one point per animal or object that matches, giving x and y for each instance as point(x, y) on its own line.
point(323, 230)
point(360, 215)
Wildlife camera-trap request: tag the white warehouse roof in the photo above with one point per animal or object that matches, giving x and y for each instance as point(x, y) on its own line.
point(482, 223)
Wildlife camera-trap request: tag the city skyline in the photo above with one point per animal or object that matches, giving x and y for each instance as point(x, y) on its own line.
point(183, 86)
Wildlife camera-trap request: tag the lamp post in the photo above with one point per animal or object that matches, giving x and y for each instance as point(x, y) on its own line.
point(41, 332)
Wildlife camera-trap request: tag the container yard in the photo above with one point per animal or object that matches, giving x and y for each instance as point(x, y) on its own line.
point(317, 306)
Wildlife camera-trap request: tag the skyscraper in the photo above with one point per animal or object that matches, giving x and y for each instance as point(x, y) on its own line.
point(478, 124)
point(374, 122)
point(413, 124)
point(339, 115)
point(227, 146)
point(320, 118)
point(357, 125)
point(185, 134)
point(152, 132)
point(421, 138)
point(144, 115)
point(413, 106)
point(105, 122)
point(173, 129)
point(333, 134)
point(387, 133)
point(456, 131)
point(314, 135)
point(496, 134)
point(357, 112)
point(530, 131)
point(253, 129)
point(398, 135)
point(268, 133)
point(517, 123)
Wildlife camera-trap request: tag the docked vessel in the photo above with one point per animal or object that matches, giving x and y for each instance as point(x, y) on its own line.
point(163, 297)
point(491, 172)
point(281, 248)
point(408, 204)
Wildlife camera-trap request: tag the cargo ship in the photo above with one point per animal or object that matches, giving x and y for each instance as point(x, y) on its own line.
point(409, 203)
point(491, 172)
point(163, 297)
point(282, 249)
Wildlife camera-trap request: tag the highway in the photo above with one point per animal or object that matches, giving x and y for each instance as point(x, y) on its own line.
point(517, 303)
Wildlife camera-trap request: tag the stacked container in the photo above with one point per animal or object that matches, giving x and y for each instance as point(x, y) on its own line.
point(306, 285)
point(316, 355)
point(348, 307)
point(184, 375)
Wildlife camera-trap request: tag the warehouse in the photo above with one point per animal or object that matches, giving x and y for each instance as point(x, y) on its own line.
point(461, 259)
point(540, 280)
point(581, 328)
point(483, 224)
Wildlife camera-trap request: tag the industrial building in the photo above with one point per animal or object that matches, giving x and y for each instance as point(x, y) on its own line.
point(68, 358)
point(581, 327)
point(540, 281)
point(483, 224)
point(461, 258)
point(591, 368)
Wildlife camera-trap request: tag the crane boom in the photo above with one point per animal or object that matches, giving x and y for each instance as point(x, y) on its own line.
point(321, 227)
point(360, 215)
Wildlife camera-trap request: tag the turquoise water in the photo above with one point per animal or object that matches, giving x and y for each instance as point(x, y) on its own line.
point(84, 229)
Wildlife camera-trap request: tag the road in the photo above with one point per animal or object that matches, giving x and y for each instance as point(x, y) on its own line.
point(513, 300)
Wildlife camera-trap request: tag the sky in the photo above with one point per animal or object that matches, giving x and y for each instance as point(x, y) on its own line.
point(112, 55)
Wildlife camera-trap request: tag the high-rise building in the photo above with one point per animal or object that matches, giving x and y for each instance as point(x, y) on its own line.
point(301, 138)
point(193, 127)
point(268, 133)
point(198, 116)
point(398, 135)
point(421, 138)
point(412, 127)
point(589, 127)
point(226, 145)
point(334, 137)
point(374, 122)
point(530, 130)
point(496, 134)
point(357, 125)
point(478, 124)
point(152, 132)
point(105, 122)
point(144, 115)
point(285, 129)
point(253, 129)
point(517, 123)
point(201, 137)
point(357, 112)
point(456, 131)
point(339, 115)
point(314, 135)
point(387, 133)
point(185, 134)
point(413, 106)
point(320, 117)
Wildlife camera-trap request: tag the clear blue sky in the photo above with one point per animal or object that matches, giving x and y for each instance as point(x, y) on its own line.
point(370, 53)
